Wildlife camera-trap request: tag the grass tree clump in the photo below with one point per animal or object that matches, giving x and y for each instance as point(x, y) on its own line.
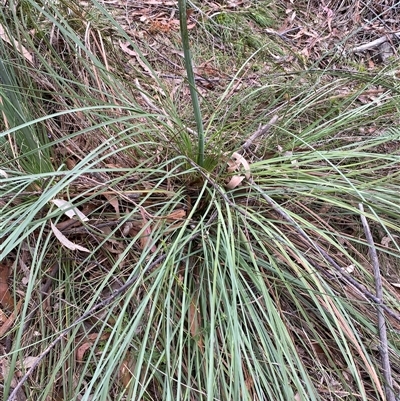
point(193, 226)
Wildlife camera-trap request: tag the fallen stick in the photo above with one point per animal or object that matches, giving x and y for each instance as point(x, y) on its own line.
point(383, 348)
point(375, 43)
point(260, 132)
point(346, 277)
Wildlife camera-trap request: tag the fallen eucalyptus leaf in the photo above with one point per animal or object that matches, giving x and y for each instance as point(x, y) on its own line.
point(66, 242)
point(235, 181)
point(235, 161)
point(69, 209)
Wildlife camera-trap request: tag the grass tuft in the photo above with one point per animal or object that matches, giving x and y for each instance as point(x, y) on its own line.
point(228, 262)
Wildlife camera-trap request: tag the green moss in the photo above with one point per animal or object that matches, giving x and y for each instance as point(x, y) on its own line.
point(262, 18)
point(242, 32)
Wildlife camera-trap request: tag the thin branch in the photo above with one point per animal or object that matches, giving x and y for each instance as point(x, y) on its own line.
point(347, 278)
point(384, 349)
point(375, 43)
point(43, 291)
point(260, 132)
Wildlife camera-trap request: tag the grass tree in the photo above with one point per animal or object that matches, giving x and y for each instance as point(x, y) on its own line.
point(159, 242)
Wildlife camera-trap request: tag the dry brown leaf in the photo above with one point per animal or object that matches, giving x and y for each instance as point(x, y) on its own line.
point(80, 352)
point(125, 372)
point(132, 228)
point(16, 44)
point(113, 201)
point(159, 2)
point(112, 245)
point(28, 362)
point(66, 242)
point(318, 351)
point(162, 26)
point(88, 208)
point(68, 224)
point(10, 321)
point(145, 239)
point(70, 163)
point(193, 321)
point(195, 324)
point(177, 217)
point(113, 165)
point(6, 299)
point(178, 214)
point(3, 317)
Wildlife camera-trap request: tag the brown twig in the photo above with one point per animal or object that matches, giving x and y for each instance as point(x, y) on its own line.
point(260, 132)
point(43, 292)
point(347, 278)
point(375, 43)
point(47, 284)
point(383, 348)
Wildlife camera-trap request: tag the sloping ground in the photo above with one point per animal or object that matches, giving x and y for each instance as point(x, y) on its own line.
point(282, 39)
point(180, 285)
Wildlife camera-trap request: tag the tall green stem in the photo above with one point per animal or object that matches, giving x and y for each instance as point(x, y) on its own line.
point(192, 84)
